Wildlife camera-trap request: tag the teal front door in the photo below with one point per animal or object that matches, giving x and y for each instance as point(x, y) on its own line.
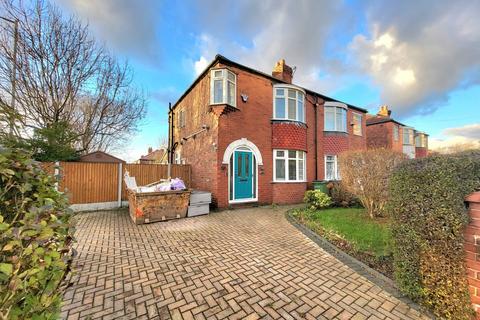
point(243, 177)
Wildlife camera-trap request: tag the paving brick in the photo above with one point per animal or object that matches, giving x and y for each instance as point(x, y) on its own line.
point(241, 264)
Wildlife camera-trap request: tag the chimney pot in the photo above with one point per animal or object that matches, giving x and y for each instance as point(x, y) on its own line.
point(384, 112)
point(282, 71)
point(150, 149)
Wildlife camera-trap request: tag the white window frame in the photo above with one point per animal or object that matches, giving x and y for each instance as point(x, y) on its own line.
point(286, 159)
point(411, 136)
point(335, 105)
point(286, 97)
point(359, 115)
point(336, 173)
point(396, 132)
point(225, 81)
point(422, 138)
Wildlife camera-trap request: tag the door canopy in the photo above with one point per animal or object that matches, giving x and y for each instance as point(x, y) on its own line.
point(244, 142)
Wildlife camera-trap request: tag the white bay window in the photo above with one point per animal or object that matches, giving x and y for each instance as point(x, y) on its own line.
point(288, 103)
point(223, 87)
point(335, 117)
point(289, 166)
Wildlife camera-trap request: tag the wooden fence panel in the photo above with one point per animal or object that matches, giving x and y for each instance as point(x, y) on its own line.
point(95, 182)
point(89, 182)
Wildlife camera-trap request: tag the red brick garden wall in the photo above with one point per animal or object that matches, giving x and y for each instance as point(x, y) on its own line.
point(472, 248)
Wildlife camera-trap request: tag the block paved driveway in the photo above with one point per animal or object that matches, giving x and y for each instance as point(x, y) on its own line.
point(241, 264)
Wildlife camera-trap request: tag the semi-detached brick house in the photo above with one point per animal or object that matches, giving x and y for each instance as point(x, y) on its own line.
point(252, 137)
point(385, 132)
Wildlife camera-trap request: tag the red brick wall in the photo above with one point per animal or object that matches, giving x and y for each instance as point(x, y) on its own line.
point(421, 152)
point(472, 249)
point(289, 135)
point(288, 193)
point(196, 106)
point(252, 120)
point(380, 135)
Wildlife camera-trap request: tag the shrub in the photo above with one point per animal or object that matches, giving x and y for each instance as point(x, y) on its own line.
point(366, 174)
point(316, 199)
point(341, 197)
point(428, 219)
point(34, 239)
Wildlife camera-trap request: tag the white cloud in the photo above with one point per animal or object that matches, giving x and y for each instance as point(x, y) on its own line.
point(458, 138)
point(126, 26)
point(200, 65)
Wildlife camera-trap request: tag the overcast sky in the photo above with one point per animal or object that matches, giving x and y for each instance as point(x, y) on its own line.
point(421, 58)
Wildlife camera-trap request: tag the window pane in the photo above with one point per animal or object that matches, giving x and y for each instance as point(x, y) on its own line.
point(280, 153)
point(231, 76)
point(338, 119)
point(280, 108)
point(329, 119)
point(292, 169)
point(280, 169)
point(344, 120)
point(329, 170)
point(218, 91)
point(217, 74)
point(300, 97)
point(300, 169)
point(292, 109)
point(292, 93)
point(231, 93)
point(300, 111)
point(292, 154)
point(280, 92)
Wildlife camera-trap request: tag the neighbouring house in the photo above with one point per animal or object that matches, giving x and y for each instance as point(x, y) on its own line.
point(252, 137)
point(100, 156)
point(158, 156)
point(385, 132)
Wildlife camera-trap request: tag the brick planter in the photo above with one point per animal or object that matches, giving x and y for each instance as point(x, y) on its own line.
point(472, 250)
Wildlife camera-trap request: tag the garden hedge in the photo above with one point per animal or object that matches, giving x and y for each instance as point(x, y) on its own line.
point(35, 238)
point(428, 220)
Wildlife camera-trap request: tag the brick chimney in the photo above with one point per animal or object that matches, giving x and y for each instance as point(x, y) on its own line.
point(150, 150)
point(282, 71)
point(384, 112)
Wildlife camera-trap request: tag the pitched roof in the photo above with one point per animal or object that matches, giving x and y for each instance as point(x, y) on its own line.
point(100, 152)
point(158, 154)
point(220, 58)
point(380, 119)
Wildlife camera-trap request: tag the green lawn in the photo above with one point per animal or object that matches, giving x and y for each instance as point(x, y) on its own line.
point(363, 234)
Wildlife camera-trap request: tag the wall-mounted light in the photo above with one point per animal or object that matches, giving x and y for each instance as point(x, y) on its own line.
point(244, 97)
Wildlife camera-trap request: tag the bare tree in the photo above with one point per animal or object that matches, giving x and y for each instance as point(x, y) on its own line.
point(65, 75)
point(366, 174)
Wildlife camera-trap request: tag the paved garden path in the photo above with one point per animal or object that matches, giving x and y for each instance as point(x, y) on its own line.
point(249, 263)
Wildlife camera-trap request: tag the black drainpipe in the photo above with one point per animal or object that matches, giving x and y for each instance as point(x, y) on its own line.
point(315, 139)
point(170, 136)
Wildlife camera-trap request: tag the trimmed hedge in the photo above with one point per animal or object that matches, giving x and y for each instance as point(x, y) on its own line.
point(428, 220)
point(35, 239)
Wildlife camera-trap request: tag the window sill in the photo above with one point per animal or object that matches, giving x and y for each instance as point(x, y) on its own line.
point(287, 182)
point(274, 120)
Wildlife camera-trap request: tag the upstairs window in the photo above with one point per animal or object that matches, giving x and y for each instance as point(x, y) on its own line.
point(288, 103)
point(335, 117)
point(421, 140)
point(357, 124)
point(223, 87)
point(395, 132)
point(408, 136)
